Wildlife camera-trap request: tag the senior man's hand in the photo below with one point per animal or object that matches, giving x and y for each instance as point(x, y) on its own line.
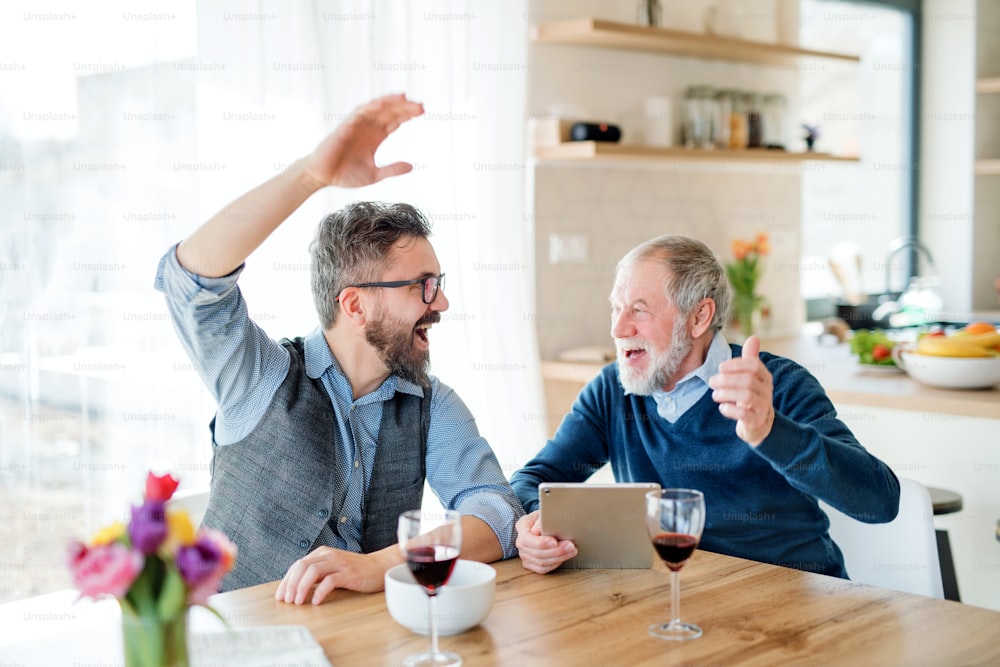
point(540, 553)
point(744, 391)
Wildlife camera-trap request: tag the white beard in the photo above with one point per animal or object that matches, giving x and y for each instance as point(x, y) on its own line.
point(662, 366)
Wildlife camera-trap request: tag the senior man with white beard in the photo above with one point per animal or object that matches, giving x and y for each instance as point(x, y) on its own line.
point(682, 407)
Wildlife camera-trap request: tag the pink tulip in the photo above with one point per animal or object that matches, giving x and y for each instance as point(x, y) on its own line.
point(106, 569)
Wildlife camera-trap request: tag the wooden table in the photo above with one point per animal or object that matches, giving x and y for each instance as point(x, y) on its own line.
point(751, 613)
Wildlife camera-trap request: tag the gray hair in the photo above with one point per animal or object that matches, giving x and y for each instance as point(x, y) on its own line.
point(692, 273)
point(352, 246)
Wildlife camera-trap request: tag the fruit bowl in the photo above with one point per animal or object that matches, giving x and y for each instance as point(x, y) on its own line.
point(950, 372)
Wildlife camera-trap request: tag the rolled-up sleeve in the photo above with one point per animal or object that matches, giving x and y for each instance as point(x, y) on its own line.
point(239, 364)
point(463, 470)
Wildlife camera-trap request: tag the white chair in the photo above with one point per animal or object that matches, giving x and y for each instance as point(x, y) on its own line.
point(194, 502)
point(901, 554)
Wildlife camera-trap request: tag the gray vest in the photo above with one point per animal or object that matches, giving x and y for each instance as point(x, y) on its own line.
point(273, 492)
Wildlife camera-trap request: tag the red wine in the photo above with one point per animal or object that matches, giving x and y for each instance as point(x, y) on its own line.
point(432, 565)
point(675, 548)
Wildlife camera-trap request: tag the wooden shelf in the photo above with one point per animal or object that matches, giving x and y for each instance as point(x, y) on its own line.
point(988, 85)
point(606, 151)
point(988, 167)
point(609, 34)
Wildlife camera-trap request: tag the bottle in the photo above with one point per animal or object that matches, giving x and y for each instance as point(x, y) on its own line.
point(755, 124)
point(738, 122)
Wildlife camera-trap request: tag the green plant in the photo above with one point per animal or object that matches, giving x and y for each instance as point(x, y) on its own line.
point(744, 272)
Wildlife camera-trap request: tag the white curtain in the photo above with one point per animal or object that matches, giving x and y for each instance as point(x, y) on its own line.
point(296, 70)
point(165, 112)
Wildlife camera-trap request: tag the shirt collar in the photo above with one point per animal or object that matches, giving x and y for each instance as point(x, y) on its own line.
point(319, 359)
point(718, 351)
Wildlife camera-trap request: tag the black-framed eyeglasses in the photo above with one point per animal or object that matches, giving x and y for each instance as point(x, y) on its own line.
point(431, 285)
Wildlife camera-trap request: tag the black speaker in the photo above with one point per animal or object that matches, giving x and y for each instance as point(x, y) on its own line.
point(595, 132)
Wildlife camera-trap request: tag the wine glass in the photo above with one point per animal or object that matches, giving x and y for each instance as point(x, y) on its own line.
point(675, 519)
point(431, 542)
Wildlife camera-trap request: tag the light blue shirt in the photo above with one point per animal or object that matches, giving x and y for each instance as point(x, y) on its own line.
point(671, 405)
point(243, 368)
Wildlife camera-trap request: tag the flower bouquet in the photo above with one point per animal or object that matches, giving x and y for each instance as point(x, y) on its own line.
point(744, 272)
point(156, 567)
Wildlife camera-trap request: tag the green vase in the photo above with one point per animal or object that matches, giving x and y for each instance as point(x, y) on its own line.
point(746, 313)
point(151, 642)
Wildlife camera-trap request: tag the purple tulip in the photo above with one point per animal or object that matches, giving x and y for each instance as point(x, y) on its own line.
point(148, 527)
point(198, 561)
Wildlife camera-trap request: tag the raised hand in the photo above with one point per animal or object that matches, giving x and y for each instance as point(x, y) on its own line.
point(346, 157)
point(744, 391)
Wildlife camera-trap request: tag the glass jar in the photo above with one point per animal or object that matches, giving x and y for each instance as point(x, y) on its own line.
point(698, 105)
point(774, 121)
point(723, 110)
point(755, 123)
point(738, 121)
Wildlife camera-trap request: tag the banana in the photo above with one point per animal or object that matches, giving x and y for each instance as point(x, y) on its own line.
point(941, 346)
point(984, 339)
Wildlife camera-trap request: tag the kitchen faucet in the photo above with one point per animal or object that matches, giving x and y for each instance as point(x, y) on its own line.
point(898, 245)
point(919, 296)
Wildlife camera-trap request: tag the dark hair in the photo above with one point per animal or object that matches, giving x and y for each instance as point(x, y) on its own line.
point(693, 273)
point(352, 246)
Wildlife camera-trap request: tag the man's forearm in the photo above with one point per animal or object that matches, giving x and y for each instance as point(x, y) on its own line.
point(479, 542)
point(224, 242)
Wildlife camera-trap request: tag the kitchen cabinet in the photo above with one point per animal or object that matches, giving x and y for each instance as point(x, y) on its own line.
point(593, 32)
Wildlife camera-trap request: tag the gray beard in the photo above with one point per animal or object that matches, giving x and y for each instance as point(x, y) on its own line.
point(395, 347)
point(663, 367)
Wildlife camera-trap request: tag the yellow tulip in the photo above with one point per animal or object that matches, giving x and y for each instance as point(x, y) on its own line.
point(108, 534)
point(180, 530)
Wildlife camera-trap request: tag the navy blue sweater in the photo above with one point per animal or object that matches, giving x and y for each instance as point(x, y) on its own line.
point(760, 501)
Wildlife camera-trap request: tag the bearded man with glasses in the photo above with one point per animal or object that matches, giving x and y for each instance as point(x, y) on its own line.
point(320, 442)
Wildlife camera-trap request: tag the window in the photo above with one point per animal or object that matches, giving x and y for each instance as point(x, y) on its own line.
point(145, 121)
point(867, 110)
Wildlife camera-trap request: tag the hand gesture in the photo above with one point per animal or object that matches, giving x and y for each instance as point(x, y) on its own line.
point(346, 158)
point(540, 553)
point(744, 391)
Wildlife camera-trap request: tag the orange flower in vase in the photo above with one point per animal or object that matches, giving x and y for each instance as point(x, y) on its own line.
point(744, 273)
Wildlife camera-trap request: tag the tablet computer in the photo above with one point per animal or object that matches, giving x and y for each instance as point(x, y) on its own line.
point(607, 522)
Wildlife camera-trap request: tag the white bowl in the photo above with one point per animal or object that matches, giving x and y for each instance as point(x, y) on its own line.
point(952, 372)
point(463, 603)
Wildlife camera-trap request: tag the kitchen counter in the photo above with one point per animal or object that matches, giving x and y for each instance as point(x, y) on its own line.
point(845, 382)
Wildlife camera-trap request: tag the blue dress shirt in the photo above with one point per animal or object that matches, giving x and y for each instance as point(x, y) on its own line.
point(243, 368)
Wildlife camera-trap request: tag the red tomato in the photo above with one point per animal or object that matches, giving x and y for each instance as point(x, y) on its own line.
point(880, 352)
